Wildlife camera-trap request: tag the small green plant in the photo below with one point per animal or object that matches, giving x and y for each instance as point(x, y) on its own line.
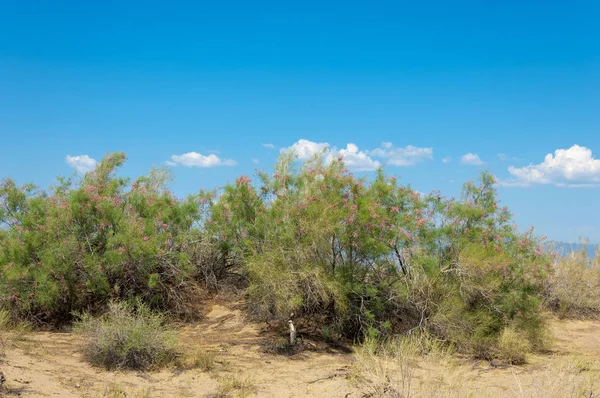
point(114, 390)
point(235, 386)
point(204, 360)
point(4, 319)
point(326, 332)
point(128, 337)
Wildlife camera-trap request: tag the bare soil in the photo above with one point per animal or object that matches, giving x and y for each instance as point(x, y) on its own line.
point(46, 364)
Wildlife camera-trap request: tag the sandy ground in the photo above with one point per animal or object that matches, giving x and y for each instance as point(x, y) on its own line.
point(51, 365)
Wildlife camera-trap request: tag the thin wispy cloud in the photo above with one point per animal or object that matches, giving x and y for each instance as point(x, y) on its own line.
point(471, 159)
point(195, 159)
point(268, 145)
point(447, 159)
point(362, 160)
point(402, 156)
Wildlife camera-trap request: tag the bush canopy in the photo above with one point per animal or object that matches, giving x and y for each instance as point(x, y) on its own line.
point(363, 257)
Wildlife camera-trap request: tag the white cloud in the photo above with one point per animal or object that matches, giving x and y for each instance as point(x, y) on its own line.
point(268, 145)
point(82, 163)
point(356, 160)
point(502, 156)
point(406, 156)
point(195, 159)
point(447, 159)
point(573, 167)
point(471, 159)
point(255, 161)
point(306, 149)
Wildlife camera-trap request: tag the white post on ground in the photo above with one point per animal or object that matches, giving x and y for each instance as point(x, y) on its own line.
point(292, 333)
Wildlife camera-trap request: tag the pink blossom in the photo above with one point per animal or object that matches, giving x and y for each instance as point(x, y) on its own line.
point(243, 180)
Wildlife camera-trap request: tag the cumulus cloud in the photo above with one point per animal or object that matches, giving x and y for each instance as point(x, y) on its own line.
point(406, 156)
point(362, 160)
point(447, 159)
point(356, 160)
point(306, 149)
point(471, 159)
point(268, 145)
point(573, 167)
point(82, 163)
point(195, 159)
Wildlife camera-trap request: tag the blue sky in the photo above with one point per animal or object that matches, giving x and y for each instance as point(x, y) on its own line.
point(421, 87)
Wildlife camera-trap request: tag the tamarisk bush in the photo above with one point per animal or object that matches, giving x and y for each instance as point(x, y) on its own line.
point(377, 258)
point(365, 258)
point(80, 245)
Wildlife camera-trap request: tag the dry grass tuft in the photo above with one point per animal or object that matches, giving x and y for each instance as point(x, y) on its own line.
point(128, 338)
point(513, 347)
point(386, 369)
point(235, 386)
point(11, 332)
point(204, 360)
point(114, 390)
point(561, 379)
point(574, 288)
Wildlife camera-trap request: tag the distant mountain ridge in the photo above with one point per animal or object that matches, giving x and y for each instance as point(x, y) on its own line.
point(564, 248)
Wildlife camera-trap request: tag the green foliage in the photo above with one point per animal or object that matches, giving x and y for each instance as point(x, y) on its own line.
point(379, 258)
point(83, 244)
point(128, 337)
point(368, 258)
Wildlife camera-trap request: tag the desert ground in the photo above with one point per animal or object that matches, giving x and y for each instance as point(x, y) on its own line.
point(247, 363)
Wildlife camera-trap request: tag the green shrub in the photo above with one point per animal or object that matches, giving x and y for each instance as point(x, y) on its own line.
point(85, 242)
point(128, 337)
point(375, 259)
point(370, 258)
